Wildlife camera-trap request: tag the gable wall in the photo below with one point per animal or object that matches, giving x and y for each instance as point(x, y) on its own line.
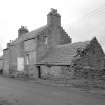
point(5, 62)
point(30, 49)
point(16, 51)
point(1, 64)
point(30, 57)
point(57, 36)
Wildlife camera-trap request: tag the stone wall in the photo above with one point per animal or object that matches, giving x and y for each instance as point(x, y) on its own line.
point(57, 36)
point(31, 71)
point(30, 58)
point(30, 50)
point(56, 72)
point(1, 64)
point(30, 45)
point(5, 61)
point(50, 71)
point(88, 67)
point(15, 52)
point(92, 62)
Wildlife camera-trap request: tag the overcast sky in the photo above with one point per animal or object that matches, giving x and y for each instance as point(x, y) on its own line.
point(82, 19)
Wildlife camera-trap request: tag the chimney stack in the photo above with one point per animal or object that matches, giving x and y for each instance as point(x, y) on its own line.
point(22, 30)
point(53, 18)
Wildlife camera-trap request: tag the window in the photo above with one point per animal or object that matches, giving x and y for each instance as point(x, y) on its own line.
point(46, 40)
point(27, 59)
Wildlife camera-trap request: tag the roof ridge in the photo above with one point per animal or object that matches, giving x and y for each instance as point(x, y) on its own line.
point(64, 45)
point(34, 33)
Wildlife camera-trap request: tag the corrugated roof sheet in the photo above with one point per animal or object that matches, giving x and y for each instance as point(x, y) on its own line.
point(63, 54)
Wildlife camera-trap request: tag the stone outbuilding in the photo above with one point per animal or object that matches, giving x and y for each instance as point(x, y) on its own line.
point(81, 59)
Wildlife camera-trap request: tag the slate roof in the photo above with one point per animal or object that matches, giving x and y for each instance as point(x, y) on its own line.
point(63, 54)
point(35, 33)
point(32, 34)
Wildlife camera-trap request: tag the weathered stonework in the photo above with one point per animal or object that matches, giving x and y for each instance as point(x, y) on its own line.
point(56, 72)
point(91, 61)
point(50, 72)
point(31, 47)
point(47, 52)
point(6, 61)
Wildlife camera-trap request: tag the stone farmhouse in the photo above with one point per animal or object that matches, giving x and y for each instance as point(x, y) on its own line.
point(48, 52)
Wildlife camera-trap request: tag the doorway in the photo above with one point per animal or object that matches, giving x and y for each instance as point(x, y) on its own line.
point(39, 71)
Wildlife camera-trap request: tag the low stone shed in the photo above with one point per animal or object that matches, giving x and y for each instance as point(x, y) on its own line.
point(64, 60)
point(54, 71)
